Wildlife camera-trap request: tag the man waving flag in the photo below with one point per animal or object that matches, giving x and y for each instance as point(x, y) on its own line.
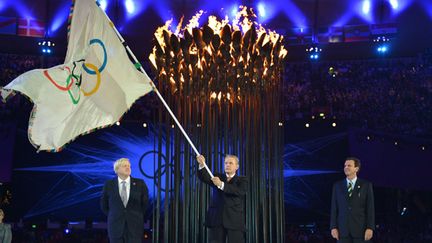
point(94, 87)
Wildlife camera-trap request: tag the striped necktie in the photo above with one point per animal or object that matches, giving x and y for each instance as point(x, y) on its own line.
point(123, 193)
point(350, 188)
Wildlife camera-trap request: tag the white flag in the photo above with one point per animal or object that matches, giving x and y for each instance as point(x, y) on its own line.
point(95, 86)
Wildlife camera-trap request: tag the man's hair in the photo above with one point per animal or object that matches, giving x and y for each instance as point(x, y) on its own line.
point(119, 163)
point(234, 157)
point(357, 162)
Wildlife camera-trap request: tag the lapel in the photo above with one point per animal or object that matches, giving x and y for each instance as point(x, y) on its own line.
point(344, 188)
point(225, 179)
point(233, 179)
point(133, 188)
point(357, 187)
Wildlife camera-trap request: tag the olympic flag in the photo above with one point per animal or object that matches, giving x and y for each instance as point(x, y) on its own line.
point(94, 87)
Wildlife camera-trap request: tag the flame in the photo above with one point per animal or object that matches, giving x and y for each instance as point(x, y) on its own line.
point(152, 58)
point(213, 95)
point(199, 64)
point(283, 52)
point(245, 23)
point(193, 50)
point(172, 80)
point(178, 29)
point(197, 61)
point(216, 25)
point(159, 33)
point(194, 21)
point(209, 50)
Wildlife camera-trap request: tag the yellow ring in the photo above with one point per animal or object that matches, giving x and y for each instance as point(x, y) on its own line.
point(98, 78)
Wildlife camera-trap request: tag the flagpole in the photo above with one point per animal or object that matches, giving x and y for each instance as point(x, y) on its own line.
point(155, 89)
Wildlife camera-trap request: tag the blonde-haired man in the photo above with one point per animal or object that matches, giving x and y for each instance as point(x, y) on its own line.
point(124, 201)
point(226, 216)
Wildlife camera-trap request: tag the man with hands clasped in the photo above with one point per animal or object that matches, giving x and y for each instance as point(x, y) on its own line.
point(352, 207)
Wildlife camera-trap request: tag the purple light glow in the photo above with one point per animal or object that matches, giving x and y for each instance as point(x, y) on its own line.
point(59, 19)
point(398, 6)
point(293, 13)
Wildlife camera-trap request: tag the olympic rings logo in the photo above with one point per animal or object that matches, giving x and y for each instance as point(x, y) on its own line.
point(76, 79)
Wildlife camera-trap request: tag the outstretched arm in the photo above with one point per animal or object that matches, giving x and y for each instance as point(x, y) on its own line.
point(202, 173)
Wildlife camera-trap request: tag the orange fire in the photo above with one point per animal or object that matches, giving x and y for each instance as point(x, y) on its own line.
point(219, 59)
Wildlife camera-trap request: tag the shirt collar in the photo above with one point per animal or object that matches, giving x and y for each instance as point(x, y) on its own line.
point(127, 180)
point(354, 180)
point(230, 176)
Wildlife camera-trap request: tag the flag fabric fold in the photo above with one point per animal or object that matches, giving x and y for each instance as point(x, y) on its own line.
point(94, 87)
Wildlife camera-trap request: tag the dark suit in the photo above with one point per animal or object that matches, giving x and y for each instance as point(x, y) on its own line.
point(352, 215)
point(226, 212)
point(125, 222)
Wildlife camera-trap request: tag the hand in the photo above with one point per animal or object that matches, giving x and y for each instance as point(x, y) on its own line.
point(216, 181)
point(368, 234)
point(201, 160)
point(335, 233)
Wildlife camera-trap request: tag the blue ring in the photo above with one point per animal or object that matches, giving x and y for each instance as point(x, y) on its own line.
point(97, 41)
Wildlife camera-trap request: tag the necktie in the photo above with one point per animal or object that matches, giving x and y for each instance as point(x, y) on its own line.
point(350, 188)
point(123, 194)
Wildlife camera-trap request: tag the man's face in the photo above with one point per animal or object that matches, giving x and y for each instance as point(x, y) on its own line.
point(1, 217)
point(124, 169)
point(231, 165)
point(350, 169)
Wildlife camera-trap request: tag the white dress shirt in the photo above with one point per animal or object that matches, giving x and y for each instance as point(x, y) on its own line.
point(353, 181)
point(127, 186)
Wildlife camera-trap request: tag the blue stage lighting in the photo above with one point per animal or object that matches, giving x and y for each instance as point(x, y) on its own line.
point(261, 10)
point(314, 56)
point(394, 4)
point(294, 13)
point(234, 10)
point(46, 46)
point(2, 5)
point(59, 19)
point(103, 4)
point(313, 52)
point(22, 8)
point(382, 49)
point(366, 7)
point(130, 6)
point(266, 11)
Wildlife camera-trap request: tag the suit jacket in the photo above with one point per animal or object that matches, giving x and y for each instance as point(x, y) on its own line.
point(352, 215)
point(5, 233)
point(118, 215)
point(227, 207)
